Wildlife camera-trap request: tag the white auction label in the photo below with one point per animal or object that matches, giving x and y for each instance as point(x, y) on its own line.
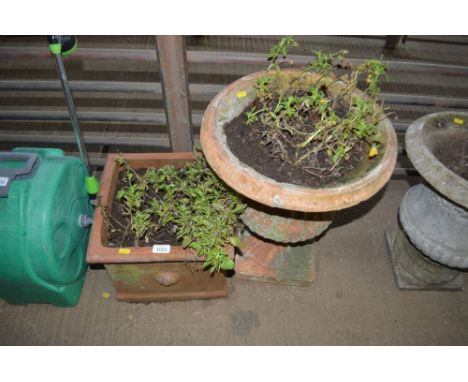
point(3, 181)
point(161, 248)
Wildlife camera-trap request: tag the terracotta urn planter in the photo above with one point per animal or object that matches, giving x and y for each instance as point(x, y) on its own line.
point(152, 273)
point(434, 213)
point(281, 214)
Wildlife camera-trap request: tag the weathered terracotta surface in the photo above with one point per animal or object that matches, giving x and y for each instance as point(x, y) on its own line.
point(135, 274)
point(140, 282)
point(247, 181)
point(167, 278)
point(274, 262)
point(285, 226)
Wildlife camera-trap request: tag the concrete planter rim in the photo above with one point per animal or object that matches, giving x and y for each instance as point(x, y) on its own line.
point(265, 190)
point(429, 166)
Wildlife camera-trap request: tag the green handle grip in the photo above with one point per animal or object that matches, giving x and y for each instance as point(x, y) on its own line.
point(92, 185)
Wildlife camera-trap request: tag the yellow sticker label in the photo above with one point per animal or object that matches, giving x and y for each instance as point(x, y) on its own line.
point(373, 152)
point(105, 295)
point(124, 251)
point(241, 94)
point(458, 121)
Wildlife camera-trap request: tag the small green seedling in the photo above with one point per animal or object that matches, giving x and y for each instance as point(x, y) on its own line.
point(324, 62)
point(280, 50)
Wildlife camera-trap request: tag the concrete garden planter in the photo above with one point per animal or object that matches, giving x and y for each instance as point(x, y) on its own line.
point(434, 214)
point(282, 217)
point(144, 274)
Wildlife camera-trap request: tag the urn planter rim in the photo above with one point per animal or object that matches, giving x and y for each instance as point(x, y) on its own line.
point(260, 188)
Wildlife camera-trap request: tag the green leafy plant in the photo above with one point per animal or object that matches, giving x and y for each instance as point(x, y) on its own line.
point(299, 122)
point(280, 50)
point(374, 70)
point(192, 202)
point(325, 62)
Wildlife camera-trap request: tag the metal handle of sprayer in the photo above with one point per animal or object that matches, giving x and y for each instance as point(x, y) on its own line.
point(62, 46)
point(56, 48)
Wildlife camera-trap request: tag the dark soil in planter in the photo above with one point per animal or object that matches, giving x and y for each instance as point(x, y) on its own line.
point(451, 151)
point(245, 142)
point(118, 237)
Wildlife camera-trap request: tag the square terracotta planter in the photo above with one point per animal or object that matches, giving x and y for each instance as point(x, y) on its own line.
point(138, 274)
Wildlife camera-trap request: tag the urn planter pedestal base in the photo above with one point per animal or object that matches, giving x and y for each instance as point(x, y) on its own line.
point(415, 271)
point(277, 245)
point(279, 263)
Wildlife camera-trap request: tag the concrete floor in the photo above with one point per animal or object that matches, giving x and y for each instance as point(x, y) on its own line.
point(354, 301)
